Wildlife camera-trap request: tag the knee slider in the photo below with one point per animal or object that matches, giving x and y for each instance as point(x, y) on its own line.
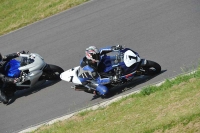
point(102, 89)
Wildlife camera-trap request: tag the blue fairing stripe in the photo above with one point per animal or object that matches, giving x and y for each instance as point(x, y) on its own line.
point(83, 79)
point(103, 81)
point(88, 68)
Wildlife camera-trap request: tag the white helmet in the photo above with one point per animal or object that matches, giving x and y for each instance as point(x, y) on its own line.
point(92, 53)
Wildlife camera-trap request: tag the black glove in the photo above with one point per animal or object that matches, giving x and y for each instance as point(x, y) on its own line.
point(118, 47)
point(22, 52)
point(9, 80)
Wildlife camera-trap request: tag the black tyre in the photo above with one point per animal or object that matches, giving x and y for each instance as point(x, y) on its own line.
point(52, 72)
point(151, 68)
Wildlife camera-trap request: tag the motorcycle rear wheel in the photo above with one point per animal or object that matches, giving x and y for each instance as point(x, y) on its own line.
point(151, 68)
point(52, 72)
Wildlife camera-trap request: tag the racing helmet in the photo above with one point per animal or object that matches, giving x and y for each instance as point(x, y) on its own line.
point(92, 53)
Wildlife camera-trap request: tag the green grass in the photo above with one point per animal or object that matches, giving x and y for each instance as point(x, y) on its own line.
point(172, 107)
point(15, 14)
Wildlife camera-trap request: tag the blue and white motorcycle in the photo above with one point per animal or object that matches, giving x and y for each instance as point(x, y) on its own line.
point(123, 66)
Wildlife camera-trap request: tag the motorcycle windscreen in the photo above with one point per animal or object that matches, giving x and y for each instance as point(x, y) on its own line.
point(12, 69)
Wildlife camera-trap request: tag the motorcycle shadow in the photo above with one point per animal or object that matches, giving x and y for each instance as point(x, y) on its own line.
point(128, 86)
point(35, 89)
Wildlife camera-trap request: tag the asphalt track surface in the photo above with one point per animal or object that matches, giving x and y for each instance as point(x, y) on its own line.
point(165, 31)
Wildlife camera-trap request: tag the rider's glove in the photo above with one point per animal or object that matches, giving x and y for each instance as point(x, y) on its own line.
point(16, 80)
point(22, 52)
point(118, 47)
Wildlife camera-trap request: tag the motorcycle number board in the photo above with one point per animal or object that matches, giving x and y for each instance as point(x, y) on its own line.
point(130, 58)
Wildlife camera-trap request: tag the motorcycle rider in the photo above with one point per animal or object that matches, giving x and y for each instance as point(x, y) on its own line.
point(4, 77)
point(89, 69)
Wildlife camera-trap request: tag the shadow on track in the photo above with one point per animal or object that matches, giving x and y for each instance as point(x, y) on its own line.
point(26, 92)
point(128, 86)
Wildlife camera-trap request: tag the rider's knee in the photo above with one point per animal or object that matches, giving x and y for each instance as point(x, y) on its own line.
point(103, 90)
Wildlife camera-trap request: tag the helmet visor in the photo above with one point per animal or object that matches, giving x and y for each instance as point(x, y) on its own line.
point(96, 57)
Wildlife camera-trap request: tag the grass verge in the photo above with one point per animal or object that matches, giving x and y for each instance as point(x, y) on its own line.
point(172, 107)
point(15, 14)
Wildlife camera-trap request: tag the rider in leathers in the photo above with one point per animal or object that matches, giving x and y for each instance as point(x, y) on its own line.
point(3, 78)
point(89, 69)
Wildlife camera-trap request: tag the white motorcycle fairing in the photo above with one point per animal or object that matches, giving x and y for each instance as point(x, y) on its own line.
point(71, 75)
point(37, 62)
point(35, 70)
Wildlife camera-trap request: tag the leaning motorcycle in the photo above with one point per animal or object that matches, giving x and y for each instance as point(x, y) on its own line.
point(32, 71)
point(126, 66)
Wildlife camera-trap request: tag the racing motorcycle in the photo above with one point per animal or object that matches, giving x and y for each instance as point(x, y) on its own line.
point(127, 66)
point(32, 71)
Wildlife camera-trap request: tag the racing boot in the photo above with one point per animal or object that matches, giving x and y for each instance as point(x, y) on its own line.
point(3, 97)
point(79, 88)
point(82, 88)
